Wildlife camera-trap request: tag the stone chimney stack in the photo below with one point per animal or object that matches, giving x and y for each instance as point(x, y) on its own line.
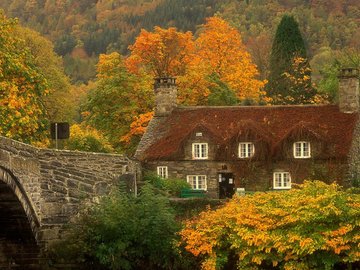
point(165, 95)
point(349, 90)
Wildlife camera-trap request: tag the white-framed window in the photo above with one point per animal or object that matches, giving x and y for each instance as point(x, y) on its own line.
point(200, 151)
point(282, 180)
point(162, 171)
point(246, 149)
point(302, 150)
point(197, 181)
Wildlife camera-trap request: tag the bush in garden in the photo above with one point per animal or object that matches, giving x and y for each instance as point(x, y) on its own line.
point(126, 232)
point(312, 226)
point(171, 186)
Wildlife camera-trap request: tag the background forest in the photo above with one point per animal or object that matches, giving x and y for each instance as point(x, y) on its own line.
point(88, 52)
point(82, 29)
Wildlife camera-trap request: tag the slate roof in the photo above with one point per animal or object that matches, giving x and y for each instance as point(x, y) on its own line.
point(274, 123)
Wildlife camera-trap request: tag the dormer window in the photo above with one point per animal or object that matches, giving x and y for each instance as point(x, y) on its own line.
point(302, 150)
point(246, 149)
point(200, 151)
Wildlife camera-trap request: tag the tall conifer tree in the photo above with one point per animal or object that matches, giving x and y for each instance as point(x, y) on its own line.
point(289, 80)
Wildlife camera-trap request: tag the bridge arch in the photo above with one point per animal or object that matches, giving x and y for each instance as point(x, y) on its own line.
point(7, 177)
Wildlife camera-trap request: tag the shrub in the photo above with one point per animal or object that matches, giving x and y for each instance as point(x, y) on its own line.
point(312, 226)
point(127, 232)
point(171, 186)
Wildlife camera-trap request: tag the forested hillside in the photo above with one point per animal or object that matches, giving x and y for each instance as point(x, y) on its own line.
point(82, 29)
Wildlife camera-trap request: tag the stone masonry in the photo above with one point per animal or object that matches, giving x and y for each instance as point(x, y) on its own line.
point(51, 184)
point(349, 90)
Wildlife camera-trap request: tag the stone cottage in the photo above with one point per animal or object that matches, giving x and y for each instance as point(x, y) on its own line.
point(254, 148)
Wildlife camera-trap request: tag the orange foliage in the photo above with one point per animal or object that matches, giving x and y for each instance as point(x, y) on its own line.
point(164, 52)
point(138, 126)
point(220, 47)
point(218, 50)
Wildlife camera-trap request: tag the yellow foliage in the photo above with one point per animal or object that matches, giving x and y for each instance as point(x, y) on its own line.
point(281, 228)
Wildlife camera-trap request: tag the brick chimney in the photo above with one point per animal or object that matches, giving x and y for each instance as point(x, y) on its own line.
point(349, 90)
point(165, 95)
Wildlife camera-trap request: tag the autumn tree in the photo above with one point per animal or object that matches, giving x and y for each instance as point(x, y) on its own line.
point(117, 99)
point(215, 69)
point(312, 226)
point(88, 139)
point(164, 52)
point(288, 45)
point(22, 87)
point(220, 48)
point(58, 103)
point(218, 51)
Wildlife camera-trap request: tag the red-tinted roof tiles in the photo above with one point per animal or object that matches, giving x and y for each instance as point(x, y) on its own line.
point(275, 123)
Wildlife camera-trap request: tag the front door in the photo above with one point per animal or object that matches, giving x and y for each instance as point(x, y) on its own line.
point(226, 185)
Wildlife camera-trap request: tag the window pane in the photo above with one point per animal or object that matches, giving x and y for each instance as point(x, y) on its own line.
point(197, 181)
point(200, 150)
point(246, 150)
point(197, 150)
point(202, 181)
point(203, 150)
point(278, 180)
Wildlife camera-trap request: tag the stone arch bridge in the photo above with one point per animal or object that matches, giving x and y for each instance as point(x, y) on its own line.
point(41, 189)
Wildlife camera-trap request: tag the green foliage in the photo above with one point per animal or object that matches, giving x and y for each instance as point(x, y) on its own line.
point(288, 46)
point(116, 99)
point(172, 187)
point(64, 44)
point(191, 208)
point(329, 70)
point(183, 14)
point(126, 232)
point(80, 70)
point(220, 93)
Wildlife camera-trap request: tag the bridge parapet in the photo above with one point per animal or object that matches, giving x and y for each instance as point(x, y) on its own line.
point(56, 181)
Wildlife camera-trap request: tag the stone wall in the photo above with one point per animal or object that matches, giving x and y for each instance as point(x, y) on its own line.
point(353, 175)
point(51, 184)
point(349, 90)
point(253, 175)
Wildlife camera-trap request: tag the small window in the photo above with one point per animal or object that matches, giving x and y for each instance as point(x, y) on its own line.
point(197, 181)
point(198, 134)
point(282, 180)
point(302, 150)
point(200, 150)
point(246, 149)
point(162, 171)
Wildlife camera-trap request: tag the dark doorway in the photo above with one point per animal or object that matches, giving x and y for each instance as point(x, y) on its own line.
point(18, 248)
point(226, 185)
